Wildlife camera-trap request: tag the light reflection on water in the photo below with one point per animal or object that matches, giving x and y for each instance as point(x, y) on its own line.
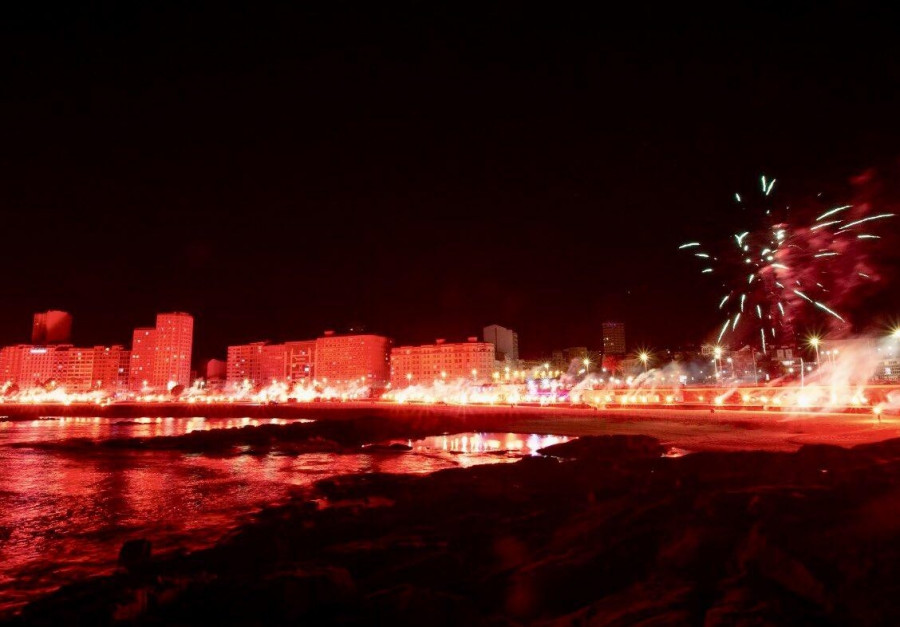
point(64, 427)
point(472, 447)
point(65, 514)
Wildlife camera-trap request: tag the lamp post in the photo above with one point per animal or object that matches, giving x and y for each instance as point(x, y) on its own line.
point(814, 342)
point(717, 355)
point(644, 357)
point(755, 371)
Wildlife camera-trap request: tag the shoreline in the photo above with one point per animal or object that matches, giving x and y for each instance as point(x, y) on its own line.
point(693, 429)
point(606, 530)
point(297, 553)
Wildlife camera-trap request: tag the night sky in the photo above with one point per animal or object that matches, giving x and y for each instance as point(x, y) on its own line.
point(417, 170)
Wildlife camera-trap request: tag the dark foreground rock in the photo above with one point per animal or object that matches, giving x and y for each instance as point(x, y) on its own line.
point(604, 531)
point(135, 554)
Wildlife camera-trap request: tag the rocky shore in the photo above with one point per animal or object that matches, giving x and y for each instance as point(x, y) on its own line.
point(598, 531)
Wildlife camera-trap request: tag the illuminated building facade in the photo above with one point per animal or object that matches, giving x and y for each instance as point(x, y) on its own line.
point(261, 363)
point(346, 359)
point(79, 372)
point(74, 369)
point(442, 361)
point(27, 365)
point(111, 368)
point(300, 360)
point(143, 351)
point(215, 373)
point(613, 338)
point(273, 363)
point(244, 363)
point(505, 341)
point(51, 327)
point(172, 359)
point(10, 364)
point(575, 354)
point(43, 365)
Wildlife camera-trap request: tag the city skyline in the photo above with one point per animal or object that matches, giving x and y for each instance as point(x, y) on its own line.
point(607, 338)
point(508, 345)
point(538, 170)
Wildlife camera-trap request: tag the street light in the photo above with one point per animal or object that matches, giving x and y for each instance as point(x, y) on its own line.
point(587, 366)
point(717, 355)
point(644, 357)
point(814, 342)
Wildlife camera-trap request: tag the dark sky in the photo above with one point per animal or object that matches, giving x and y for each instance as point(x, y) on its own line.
point(422, 171)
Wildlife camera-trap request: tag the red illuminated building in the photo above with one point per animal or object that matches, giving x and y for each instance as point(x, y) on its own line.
point(111, 368)
point(256, 364)
point(348, 359)
point(174, 340)
point(428, 363)
point(215, 372)
point(10, 364)
point(260, 363)
point(300, 360)
point(27, 365)
point(78, 374)
point(161, 356)
point(51, 327)
point(70, 368)
point(335, 359)
point(143, 349)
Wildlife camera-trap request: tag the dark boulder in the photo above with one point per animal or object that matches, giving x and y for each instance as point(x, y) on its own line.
point(135, 553)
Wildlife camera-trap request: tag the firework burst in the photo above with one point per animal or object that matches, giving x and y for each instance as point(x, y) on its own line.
point(775, 275)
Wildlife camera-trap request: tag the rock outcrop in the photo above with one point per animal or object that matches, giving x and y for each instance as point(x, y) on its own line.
point(601, 531)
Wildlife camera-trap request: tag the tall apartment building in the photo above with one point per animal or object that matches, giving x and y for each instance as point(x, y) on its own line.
point(143, 351)
point(161, 356)
point(74, 369)
point(261, 363)
point(505, 341)
point(51, 327)
point(613, 338)
point(442, 361)
point(43, 364)
point(27, 365)
point(273, 364)
point(246, 363)
point(344, 359)
point(215, 373)
point(10, 364)
point(111, 368)
point(300, 358)
point(79, 372)
point(174, 341)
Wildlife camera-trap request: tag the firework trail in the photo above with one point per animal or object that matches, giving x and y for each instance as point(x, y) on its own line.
point(774, 275)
